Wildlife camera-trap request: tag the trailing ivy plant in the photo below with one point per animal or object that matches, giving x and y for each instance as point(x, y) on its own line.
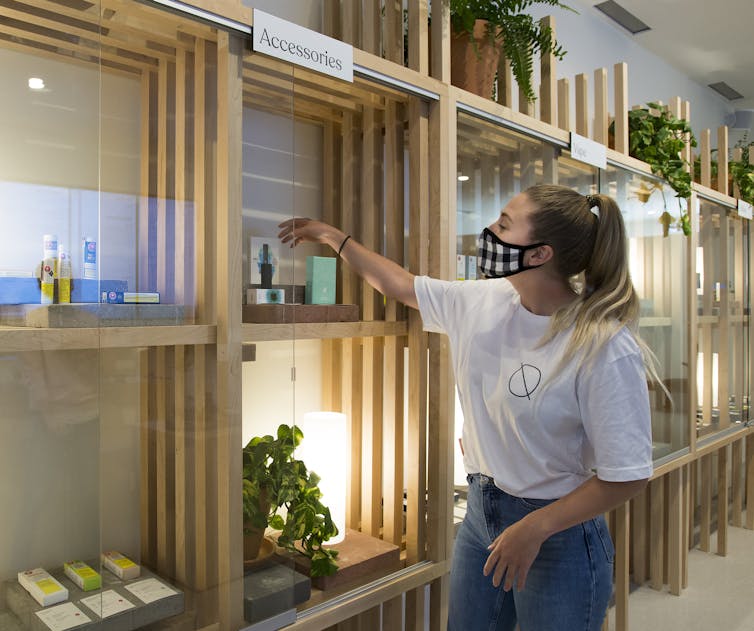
point(742, 172)
point(272, 479)
point(657, 137)
point(517, 32)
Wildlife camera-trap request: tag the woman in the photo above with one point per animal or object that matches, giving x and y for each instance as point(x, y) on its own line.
point(552, 382)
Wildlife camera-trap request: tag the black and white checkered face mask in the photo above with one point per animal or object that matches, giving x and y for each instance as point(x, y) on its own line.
point(498, 259)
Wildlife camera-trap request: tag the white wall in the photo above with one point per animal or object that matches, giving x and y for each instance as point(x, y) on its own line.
point(593, 42)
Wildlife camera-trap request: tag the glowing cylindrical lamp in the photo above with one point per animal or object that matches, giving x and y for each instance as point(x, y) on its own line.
point(324, 450)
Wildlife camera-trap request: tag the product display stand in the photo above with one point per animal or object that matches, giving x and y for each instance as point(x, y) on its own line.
point(359, 555)
point(272, 590)
point(23, 608)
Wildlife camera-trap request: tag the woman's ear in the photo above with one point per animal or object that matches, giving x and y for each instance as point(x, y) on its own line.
point(539, 255)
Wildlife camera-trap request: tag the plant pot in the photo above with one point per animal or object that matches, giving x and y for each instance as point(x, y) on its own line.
point(252, 542)
point(471, 71)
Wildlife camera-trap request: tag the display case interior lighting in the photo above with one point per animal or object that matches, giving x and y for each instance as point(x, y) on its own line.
point(463, 178)
point(324, 450)
point(700, 379)
point(36, 83)
point(636, 265)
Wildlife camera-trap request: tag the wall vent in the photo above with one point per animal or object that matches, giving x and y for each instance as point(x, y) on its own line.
point(723, 89)
point(620, 15)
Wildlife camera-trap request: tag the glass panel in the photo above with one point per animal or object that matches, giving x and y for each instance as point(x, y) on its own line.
point(658, 264)
point(722, 299)
point(494, 164)
point(108, 117)
point(325, 150)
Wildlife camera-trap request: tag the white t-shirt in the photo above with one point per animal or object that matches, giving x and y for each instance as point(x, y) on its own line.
point(539, 435)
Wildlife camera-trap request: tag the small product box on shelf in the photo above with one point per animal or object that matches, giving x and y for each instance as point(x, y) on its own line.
point(471, 267)
point(83, 575)
point(123, 567)
point(320, 280)
point(131, 297)
point(460, 267)
point(42, 587)
point(265, 296)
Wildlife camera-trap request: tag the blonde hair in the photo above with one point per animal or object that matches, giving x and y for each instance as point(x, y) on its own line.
point(588, 237)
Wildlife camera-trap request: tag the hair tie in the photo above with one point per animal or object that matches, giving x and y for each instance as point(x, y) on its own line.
point(594, 206)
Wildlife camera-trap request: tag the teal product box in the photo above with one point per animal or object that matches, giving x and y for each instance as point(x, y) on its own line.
point(320, 280)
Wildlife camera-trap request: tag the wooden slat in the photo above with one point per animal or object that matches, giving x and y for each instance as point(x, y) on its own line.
point(418, 36)
point(203, 250)
point(230, 249)
point(146, 468)
point(201, 571)
point(639, 531)
point(331, 18)
point(620, 71)
point(371, 27)
point(525, 106)
point(723, 482)
point(688, 151)
point(179, 173)
point(162, 174)
point(564, 105)
point(722, 159)
point(350, 23)
point(582, 105)
point(676, 526)
point(737, 452)
point(656, 532)
point(750, 482)
point(723, 331)
point(548, 111)
point(600, 106)
point(705, 158)
point(504, 94)
point(705, 513)
point(394, 31)
point(394, 361)
point(142, 261)
point(688, 520)
point(159, 385)
point(622, 542)
point(372, 359)
point(392, 614)
point(440, 41)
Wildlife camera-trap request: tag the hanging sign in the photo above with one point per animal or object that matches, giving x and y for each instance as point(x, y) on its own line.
point(301, 46)
point(745, 209)
point(588, 151)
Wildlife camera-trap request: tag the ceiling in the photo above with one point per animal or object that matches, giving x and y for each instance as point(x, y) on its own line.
point(707, 40)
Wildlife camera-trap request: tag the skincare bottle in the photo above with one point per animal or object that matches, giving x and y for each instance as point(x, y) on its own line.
point(90, 258)
point(64, 275)
point(265, 268)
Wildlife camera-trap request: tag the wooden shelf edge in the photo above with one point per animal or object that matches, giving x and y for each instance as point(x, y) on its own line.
point(321, 330)
point(19, 339)
point(360, 600)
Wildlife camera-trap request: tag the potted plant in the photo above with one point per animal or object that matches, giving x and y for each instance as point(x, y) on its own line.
point(482, 29)
point(273, 479)
point(657, 137)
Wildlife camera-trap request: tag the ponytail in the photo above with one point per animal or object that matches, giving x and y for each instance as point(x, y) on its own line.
point(588, 238)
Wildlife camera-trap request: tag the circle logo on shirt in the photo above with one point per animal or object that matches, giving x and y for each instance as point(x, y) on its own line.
point(524, 381)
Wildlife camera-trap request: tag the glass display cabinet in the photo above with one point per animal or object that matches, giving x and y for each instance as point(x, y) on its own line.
point(340, 152)
point(722, 300)
point(154, 157)
point(659, 269)
point(493, 165)
point(115, 394)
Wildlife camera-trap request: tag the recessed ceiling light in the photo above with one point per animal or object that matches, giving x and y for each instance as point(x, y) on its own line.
point(623, 17)
point(463, 178)
point(35, 83)
point(725, 90)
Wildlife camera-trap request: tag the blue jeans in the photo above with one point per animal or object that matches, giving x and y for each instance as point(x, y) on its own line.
point(568, 587)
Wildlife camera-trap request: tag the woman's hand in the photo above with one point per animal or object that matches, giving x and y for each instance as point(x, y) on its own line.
point(511, 554)
point(299, 229)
